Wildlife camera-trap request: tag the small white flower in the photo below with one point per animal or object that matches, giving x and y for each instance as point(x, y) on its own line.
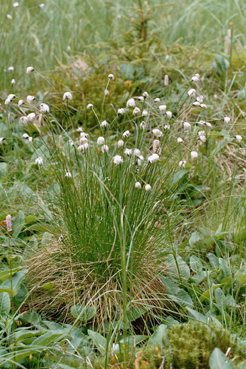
point(29, 139)
point(83, 147)
point(39, 161)
point(157, 132)
point(199, 99)
point(9, 16)
point(111, 76)
point(104, 148)
point(157, 100)
point(227, 120)
point(147, 187)
point(182, 163)
point(203, 138)
point(180, 140)
point(80, 129)
point(128, 152)
point(106, 92)
point(196, 77)
point(68, 175)
point(25, 135)
point(187, 126)
point(203, 106)
point(193, 154)
point(136, 111)
point(83, 135)
point(117, 159)
point(153, 158)
point(7, 102)
point(31, 117)
point(121, 111)
point(169, 114)
point(60, 238)
point(209, 125)
point(29, 70)
point(104, 124)
point(120, 143)
point(162, 107)
point(191, 92)
point(167, 126)
point(13, 82)
point(44, 108)
point(90, 106)
point(67, 96)
point(130, 103)
point(196, 103)
point(136, 152)
point(2, 139)
point(41, 6)
point(144, 113)
point(238, 138)
point(143, 125)
point(100, 140)
point(145, 94)
point(15, 5)
point(24, 120)
point(138, 185)
point(10, 98)
point(140, 98)
point(30, 99)
point(10, 69)
point(21, 102)
point(126, 134)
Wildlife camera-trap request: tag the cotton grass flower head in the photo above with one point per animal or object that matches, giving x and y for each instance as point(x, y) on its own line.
point(9, 99)
point(166, 80)
point(121, 111)
point(193, 154)
point(111, 76)
point(9, 223)
point(101, 140)
point(200, 99)
point(117, 159)
point(196, 103)
point(145, 94)
point(84, 147)
point(202, 138)
point(180, 140)
point(128, 152)
point(130, 103)
point(136, 152)
point(140, 98)
point(39, 161)
point(68, 175)
point(44, 108)
point(169, 114)
point(10, 69)
point(126, 134)
point(143, 125)
point(147, 187)
point(29, 70)
point(21, 102)
point(13, 82)
point(191, 92)
point(238, 138)
point(136, 111)
point(203, 106)
point(144, 113)
point(30, 99)
point(156, 132)
point(104, 148)
point(162, 108)
point(120, 143)
point(41, 6)
point(16, 4)
point(138, 185)
point(196, 77)
point(24, 119)
point(153, 158)
point(104, 124)
point(227, 120)
point(106, 92)
point(31, 117)
point(182, 163)
point(25, 135)
point(67, 96)
point(157, 100)
point(89, 106)
point(9, 16)
point(187, 126)
point(167, 126)
point(2, 139)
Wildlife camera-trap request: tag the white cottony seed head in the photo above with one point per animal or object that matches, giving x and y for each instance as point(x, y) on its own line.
point(142, 125)
point(68, 175)
point(31, 117)
point(136, 111)
point(145, 94)
point(144, 113)
point(104, 148)
point(191, 92)
point(90, 106)
point(193, 154)
point(157, 132)
point(21, 102)
point(39, 161)
point(138, 185)
point(44, 108)
point(67, 96)
point(126, 134)
point(15, 5)
point(29, 70)
point(157, 100)
point(162, 107)
point(120, 143)
point(187, 126)
point(130, 103)
point(100, 140)
point(227, 120)
point(121, 111)
point(238, 138)
point(24, 120)
point(117, 159)
point(10, 69)
point(180, 140)
point(147, 187)
point(196, 77)
point(153, 158)
point(128, 152)
point(182, 163)
point(111, 76)
point(169, 114)
point(30, 99)
point(104, 124)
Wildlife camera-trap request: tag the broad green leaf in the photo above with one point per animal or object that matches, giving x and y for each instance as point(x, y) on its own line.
point(4, 303)
point(159, 337)
point(18, 224)
point(218, 360)
point(195, 237)
point(196, 264)
point(133, 340)
point(16, 281)
point(135, 313)
point(205, 297)
point(3, 169)
point(174, 270)
point(83, 312)
point(99, 341)
point(198, 316)
point(47, 338)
